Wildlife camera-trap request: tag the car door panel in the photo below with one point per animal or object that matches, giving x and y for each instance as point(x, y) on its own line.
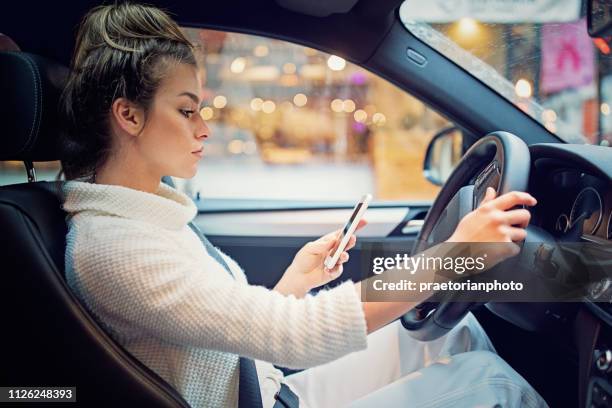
point(264, 242)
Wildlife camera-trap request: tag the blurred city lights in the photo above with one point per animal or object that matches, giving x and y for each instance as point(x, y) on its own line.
point(370, 109)
point(256, 104)
point(549, 115)
point(220, 101)
point(523, 88)
point(206, 113)
point(289, 68)
point(268, 107)
point(261, 51)
point(249, 147)
point(335, 63)
point(311, 52)
point(238, 65)
point(349, 106)
point(468, 26)
point(236, 146)
point(289, 80)
point(602, 45)
point(337, 105)
point(300, 100)
point(551, 126)
point(379, 119)
point(360, 115)
point(286, 105)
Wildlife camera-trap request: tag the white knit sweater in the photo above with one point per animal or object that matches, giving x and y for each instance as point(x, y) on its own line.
point(138, 267)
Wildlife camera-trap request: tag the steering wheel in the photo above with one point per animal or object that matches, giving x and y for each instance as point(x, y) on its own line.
point(500, 160)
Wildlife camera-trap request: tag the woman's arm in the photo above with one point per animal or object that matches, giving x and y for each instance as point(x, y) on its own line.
point(493, 221)
point(141, 284)
point(379, 314)
point(307, 271)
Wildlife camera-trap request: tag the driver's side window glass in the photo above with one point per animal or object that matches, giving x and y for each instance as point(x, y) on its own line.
point(291, 122)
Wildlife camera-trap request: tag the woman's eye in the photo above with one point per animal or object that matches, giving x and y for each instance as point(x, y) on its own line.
point(187, 113)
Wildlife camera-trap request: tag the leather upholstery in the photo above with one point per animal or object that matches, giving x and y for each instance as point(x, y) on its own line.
point(31, 87)
point(48, 338)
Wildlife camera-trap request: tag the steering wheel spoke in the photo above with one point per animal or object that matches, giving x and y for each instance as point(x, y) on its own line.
point(458, 207)
point(500, 160)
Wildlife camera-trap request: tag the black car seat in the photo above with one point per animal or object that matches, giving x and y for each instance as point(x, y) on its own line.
point(47, 337)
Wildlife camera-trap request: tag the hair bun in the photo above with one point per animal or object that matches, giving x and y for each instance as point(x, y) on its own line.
point(122, 51)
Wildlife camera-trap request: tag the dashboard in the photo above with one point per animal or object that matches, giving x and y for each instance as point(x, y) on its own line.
point(576, 205)
point(573, 185)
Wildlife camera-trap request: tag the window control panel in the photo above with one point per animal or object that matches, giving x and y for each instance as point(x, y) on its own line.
point(600, 393)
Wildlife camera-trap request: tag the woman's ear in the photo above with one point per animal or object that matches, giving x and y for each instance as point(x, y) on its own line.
point(127, 116)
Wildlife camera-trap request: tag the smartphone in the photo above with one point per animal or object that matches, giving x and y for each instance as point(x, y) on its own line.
point(348, 230)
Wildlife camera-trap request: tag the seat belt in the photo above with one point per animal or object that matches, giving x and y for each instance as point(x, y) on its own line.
point(249, 393)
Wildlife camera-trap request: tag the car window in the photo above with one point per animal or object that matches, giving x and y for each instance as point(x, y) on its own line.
point(14, 172)
point(537, 55)
point(291, 122)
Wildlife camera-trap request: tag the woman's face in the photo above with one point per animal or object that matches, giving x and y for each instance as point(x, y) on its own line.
point(171, 141)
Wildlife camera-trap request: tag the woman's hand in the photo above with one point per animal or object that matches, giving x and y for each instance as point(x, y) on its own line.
point(307, 270)
point(495, 220)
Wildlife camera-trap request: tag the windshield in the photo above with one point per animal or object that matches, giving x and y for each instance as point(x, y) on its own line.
point(536, 54)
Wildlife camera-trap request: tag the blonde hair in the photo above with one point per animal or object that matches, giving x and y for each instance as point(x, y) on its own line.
point(122, 51)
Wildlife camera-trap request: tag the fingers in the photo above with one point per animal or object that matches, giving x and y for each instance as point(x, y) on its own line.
point(519, 217)
point(516, 234)
point(321, 245)
point(512, 199)
point(362, 223)
point(332, 235)
point(331, 244)
point(344, 257)
point(338, 233)
point(351, 243)
point(489, 195)
point(335, 271)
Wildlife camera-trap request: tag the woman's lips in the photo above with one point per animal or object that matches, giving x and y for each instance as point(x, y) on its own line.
point(199, 153)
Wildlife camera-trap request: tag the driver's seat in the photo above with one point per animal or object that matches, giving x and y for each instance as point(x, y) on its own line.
point(48, 338)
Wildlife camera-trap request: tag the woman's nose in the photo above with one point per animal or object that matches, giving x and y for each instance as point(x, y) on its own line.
point(202, 131)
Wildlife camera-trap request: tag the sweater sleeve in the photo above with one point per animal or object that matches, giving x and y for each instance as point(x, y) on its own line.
point(144, 282)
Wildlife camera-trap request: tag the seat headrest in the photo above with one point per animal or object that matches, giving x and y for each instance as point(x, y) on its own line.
point(31, 87)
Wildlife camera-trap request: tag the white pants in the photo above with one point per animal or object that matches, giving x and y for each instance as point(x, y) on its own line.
point(460, 369)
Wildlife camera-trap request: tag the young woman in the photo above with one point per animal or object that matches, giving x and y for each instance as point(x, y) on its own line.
point(187, 311)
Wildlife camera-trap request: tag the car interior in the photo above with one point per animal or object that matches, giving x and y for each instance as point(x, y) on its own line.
point(49, 338)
